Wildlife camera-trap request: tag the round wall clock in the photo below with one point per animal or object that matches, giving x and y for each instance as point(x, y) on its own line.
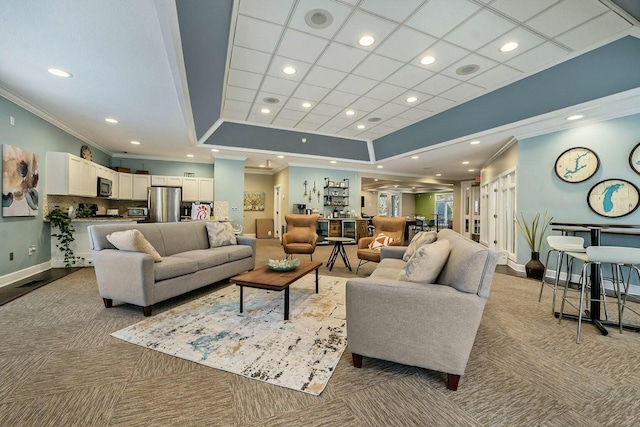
point(85, 153)
point(634, 158)
point(577, 164)
point(613, 198)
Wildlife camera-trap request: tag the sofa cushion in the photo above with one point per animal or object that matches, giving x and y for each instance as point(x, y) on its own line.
point(174, 266)
point(206, 258)
point(380, 241)
point(425, 265)
point(133, 241)
point(238, 252)
point(421, 238)
point(220, 234)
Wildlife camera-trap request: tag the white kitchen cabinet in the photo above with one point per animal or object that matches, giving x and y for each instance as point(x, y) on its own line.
point(125, 186)
point(166, 181)
point(70, 175)
point(140, 185)
point(197, 189)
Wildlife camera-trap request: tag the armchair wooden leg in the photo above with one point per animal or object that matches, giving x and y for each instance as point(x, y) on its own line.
point(357, 360)
point(452, 381)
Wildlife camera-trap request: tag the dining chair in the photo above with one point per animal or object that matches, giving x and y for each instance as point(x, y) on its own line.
point(617, 257)
point(561, 245)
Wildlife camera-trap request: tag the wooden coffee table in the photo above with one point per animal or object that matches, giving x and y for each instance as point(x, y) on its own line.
point(265, 278)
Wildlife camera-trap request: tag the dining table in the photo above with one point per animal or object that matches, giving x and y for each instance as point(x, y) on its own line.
point(595, 232)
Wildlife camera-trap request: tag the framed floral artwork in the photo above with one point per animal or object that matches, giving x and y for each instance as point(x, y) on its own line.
point(20, 195)
point(254, 200)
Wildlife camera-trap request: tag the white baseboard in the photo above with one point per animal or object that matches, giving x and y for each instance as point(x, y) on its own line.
point(10, 278)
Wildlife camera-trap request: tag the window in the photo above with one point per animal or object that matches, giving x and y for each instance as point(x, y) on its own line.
point(444, 209)
point(389, 204)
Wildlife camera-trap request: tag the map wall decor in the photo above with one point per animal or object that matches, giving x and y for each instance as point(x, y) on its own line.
point(577, 164)
point(634, 158)
point(613, 198)
point(254, 201)
point(20, 195)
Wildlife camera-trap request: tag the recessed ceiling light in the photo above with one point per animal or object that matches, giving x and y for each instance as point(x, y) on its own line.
point(413, 188)
point(135, 142)
point(412, 99)
point(189, 155)
point(304, 140)
point(289, 70)
point(265, 111)
point(474, 142)
point(508, 47)
point(261, 166)
point(395, 186)
point(438, 174)
point(360, 126)
point(379, 166)
point(281, 157)
point(333, 161)
point(366, 40)
point(350, 112)
point(465, 163)
point(215, 150)
point(376, 179)
point(110, 120)
point(426, 60)
point(471, 170)
point(415, 157)
point(58, 72)
point(575, 117)
point(306, 105)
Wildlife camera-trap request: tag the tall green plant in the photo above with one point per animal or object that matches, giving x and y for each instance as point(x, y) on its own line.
point(534, 231)
point(62, 222)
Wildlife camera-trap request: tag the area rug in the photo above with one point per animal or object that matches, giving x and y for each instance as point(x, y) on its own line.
point(299, 354)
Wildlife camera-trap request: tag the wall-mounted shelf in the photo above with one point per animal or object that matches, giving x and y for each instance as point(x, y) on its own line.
point(336, 193)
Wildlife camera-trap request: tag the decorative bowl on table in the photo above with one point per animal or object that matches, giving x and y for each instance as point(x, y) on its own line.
point(283, 264)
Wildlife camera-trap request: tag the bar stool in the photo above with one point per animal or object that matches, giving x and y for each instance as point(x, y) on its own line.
point(561, 245)
point(618, 257)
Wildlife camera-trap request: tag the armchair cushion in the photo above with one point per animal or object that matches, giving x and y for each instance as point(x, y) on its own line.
point(133, 241)
point(421, 238)
point(427, 263)
point(380, 240)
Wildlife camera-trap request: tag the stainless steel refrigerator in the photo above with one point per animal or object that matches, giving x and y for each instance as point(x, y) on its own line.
point(164, 204)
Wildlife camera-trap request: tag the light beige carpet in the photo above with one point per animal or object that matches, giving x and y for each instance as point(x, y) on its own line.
point(60, 366)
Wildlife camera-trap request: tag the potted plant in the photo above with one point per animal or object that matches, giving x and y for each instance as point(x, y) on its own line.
point(62, 222)
point(534, 232)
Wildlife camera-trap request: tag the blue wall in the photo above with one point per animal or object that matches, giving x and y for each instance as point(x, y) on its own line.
point(229, 186)
point(297, 176)
point(539, 188)
point(33, 134)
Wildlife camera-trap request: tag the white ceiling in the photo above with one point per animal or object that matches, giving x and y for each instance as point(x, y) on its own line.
point(125, 62)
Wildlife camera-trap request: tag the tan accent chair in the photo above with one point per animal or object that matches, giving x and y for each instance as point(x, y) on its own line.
point(301, 236)
point(392, 227)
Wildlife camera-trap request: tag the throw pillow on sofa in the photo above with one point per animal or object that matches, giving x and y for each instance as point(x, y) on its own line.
point(220, 234)
point(380, 241)
point(133, 241)
point(421, 238)
point(427, 263)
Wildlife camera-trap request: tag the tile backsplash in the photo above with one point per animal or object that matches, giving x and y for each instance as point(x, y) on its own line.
point(64, 202)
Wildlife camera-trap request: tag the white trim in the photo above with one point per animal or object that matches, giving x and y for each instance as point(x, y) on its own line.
point(163, 159)
point(10, 278)
point(208, 133)
point(227, 157)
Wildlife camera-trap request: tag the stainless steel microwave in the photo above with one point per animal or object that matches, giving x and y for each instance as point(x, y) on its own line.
point(105, 187)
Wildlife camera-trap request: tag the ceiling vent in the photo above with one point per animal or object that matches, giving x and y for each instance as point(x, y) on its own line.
point(467, 69)
point(271, 100)
point(318, 19)
point(374, 119)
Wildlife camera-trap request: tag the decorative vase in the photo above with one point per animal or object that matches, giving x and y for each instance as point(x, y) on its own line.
point(535, 268)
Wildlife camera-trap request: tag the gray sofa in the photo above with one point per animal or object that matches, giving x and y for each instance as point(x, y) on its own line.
point(432, 326)
point(187, 262)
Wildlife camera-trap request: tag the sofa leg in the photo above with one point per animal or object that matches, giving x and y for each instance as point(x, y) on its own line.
point(452, 381)
point(147, 310)
point(108, 303)
point(357, 360)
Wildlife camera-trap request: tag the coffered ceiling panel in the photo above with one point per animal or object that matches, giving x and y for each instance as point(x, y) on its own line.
point(292, 40)
point(397, 11)
point(324, 77)
point(438, 17)
point(479, 30)
point(341, 57)
point(592, 31)
point(275, 11)
point(565, 15)
point(405, 44)
point(255, 34)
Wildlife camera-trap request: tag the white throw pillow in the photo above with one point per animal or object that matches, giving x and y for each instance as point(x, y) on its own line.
point(380, 241)
point(421, 238)
point(221, 234)
point(426, 264)
point(133, 241)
